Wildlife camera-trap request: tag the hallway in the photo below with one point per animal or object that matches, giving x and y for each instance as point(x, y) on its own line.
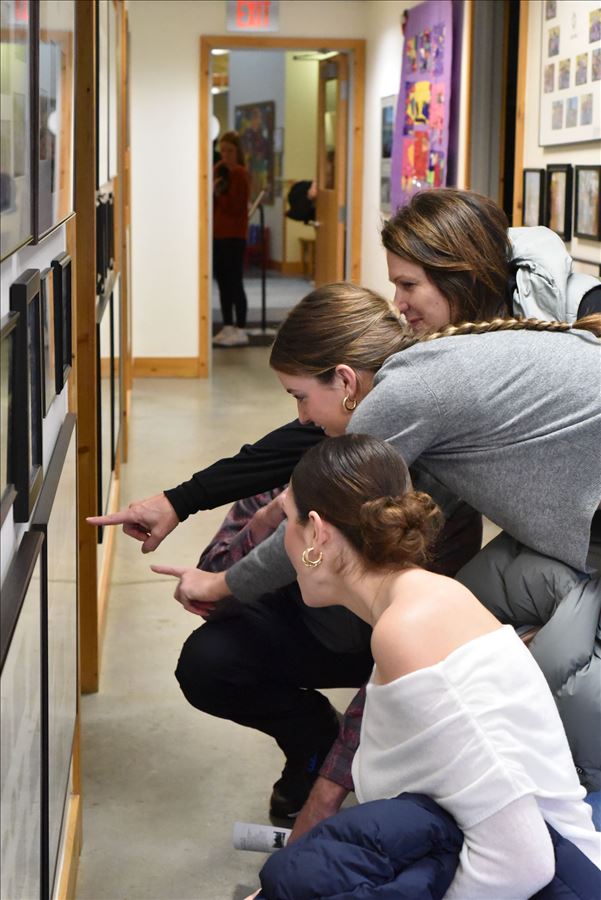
point(164, 784)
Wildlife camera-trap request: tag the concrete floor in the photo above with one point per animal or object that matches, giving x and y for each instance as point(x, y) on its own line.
point(162, 783)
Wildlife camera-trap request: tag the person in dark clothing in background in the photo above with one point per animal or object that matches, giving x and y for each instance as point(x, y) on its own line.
point(230, 227)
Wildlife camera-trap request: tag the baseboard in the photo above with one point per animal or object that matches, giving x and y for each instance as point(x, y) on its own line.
point(67, 877)
point(166, 367)
point(294, 267)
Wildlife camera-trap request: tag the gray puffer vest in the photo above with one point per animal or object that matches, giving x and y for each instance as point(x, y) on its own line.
point(524, 588)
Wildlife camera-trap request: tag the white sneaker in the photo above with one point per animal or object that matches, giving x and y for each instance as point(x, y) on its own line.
point(237, 338)
point(226, 332)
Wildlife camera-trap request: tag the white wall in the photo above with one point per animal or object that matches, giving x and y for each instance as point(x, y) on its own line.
point(165, 77)
point(535, 157)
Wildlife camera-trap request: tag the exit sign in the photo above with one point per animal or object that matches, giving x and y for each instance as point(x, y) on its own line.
point(253, 15)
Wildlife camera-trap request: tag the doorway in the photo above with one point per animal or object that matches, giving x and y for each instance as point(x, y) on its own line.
point(338, 93)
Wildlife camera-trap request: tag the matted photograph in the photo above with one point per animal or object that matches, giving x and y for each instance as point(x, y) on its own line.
point(8, 334)
point(559, 200)
point(388, 106)
point(587, 210)
point(56, 104)
point(61, 266)
point(533, 197)
point(48, 339)
point(25, 299)
point(16, 226)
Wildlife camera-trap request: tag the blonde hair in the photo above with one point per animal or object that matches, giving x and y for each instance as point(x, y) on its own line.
point(347, 324)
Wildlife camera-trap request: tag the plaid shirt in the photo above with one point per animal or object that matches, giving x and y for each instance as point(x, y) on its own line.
point(459, 540)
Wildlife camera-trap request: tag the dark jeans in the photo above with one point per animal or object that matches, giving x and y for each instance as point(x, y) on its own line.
point(260, 667)
point(228, 264)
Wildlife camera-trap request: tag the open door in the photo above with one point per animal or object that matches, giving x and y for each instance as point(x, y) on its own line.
point(330, 225)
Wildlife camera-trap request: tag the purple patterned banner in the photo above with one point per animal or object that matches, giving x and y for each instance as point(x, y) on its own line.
point(421, 136)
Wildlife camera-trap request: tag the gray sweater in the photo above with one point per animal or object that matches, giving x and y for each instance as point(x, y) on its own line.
point(508, 421)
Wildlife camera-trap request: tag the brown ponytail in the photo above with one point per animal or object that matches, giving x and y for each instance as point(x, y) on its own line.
point(590, 323)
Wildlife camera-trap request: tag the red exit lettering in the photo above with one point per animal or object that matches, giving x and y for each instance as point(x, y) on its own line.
point(252, 14)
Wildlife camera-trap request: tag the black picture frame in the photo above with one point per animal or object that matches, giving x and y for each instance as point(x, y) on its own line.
point(21, 857)
point(54, 116)
point(62, 269)
point(8, 335)
point(16, 147)
point(587, 203)
point(48, 338)
point(558, 200)
point(533, 197)
point(27, 447)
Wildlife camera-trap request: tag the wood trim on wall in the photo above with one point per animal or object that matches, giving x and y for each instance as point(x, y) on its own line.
point(166, 367)
point(520, 112)
point(356, 49)
point(85, 220)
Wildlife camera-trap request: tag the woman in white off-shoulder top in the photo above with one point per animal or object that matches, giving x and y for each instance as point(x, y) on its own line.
point(456, 706)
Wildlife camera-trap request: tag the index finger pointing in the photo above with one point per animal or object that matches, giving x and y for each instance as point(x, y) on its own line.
point(176, 571)
point(117, 518)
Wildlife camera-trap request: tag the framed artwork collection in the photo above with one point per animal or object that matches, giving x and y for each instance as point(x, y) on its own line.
point(562, 196)
point(570, 93)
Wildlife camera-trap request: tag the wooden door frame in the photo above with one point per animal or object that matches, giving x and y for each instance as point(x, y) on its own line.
point(356, 50)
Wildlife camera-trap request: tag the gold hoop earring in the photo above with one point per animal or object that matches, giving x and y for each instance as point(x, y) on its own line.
point(349, 404)
point(311, 563)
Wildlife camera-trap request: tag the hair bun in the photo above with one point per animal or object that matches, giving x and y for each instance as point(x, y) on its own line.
point(399, 530)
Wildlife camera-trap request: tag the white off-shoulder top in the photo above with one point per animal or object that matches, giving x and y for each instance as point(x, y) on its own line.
point(475, 732)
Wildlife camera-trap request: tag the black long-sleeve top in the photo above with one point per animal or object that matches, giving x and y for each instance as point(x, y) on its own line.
point(257, 467)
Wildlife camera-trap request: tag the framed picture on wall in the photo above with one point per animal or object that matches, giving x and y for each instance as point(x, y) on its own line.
point(27, 417)
point(388, 105)
point(534, 197)
point(61, 267)
point(56, 106)
point(102, 88)
point(559, 200)
point(255, 123)
point(587, 209)
point(8, 334)
point(16, 227)
point(48, 339)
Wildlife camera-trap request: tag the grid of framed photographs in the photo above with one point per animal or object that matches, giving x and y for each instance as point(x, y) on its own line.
point(37, 104)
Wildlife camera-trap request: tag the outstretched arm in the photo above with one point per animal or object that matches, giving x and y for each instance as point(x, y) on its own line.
point(258, 467)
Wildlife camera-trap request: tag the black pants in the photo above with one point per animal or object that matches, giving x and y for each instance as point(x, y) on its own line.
point(228, 264)
point(260, 667)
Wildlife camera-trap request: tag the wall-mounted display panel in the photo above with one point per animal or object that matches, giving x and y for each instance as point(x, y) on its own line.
point(61, 266)
point(117, 365)
point(56, 104)
point(105, 400)
point(16, 227)
point(570, 88)
point(114, 43)
point(55, 516)
point(27, 430)
point(8, 336)
point(21, 732)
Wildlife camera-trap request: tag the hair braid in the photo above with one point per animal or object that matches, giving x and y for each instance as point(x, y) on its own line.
point(590, 323)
